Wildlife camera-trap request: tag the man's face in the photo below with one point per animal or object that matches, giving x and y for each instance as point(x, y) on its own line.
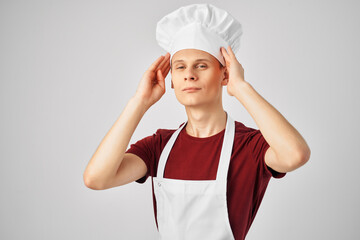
point(192, 68)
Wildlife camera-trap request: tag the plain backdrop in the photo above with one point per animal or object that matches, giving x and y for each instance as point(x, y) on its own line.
point(68, 68)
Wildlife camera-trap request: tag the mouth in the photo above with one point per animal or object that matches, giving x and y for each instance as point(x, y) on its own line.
point(191, 89)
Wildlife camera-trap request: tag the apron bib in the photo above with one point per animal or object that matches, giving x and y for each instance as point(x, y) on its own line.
point(194, 209)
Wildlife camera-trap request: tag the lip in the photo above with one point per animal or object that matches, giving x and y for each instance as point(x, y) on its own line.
point(191, 89)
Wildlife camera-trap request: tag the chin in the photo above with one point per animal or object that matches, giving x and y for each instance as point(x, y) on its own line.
point(194, 100)
point(191, 102)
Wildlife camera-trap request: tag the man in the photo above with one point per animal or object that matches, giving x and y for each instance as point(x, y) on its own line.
point(209, 175)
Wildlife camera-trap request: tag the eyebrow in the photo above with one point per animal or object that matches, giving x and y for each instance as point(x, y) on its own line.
point(197, 60)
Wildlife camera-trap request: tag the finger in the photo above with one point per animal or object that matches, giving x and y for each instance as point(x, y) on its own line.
point(232, 54)
point(156, 63)
point(167, 67)
point(225, 54)
point(161, 79)
point(166, 70)
point(164, 61)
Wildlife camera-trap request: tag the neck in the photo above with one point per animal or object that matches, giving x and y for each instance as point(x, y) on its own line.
point(205, 122)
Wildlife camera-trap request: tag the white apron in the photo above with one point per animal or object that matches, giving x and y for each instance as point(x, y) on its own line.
point(194, 209)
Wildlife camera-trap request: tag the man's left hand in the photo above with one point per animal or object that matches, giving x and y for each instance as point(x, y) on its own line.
point(235, 70)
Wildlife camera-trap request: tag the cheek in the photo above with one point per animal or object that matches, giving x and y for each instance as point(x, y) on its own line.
point(214, 80)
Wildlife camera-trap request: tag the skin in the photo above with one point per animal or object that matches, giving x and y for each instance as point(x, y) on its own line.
point(203, 107)
point(110, 166)
point(206, 117)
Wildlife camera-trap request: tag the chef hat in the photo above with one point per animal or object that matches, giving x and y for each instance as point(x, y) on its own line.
point(199, 26)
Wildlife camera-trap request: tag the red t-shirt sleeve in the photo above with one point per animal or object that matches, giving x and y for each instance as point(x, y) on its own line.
point(258, 147)
point(145, 149)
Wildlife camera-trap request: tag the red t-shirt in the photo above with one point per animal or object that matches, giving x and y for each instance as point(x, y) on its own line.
point(193, 158)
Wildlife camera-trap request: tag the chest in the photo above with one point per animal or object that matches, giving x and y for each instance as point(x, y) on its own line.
point(191, 160)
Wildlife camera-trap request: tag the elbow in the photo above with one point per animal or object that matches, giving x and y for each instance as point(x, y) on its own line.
point(90, 183)
point(302, 157)
point(305, 156)
point(290, 162)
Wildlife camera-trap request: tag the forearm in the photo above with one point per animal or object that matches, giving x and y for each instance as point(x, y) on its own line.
point(110, 153)
point(282, 137)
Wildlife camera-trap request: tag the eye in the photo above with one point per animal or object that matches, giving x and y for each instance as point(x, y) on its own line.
point(200, 66)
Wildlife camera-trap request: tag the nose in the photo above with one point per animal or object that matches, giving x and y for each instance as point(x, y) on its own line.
point(190, 75)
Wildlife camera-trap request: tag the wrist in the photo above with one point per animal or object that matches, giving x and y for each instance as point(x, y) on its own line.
point(241, 89)
point(139, 103)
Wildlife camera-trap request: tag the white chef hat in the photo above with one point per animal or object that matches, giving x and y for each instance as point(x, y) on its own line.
point(199, 26)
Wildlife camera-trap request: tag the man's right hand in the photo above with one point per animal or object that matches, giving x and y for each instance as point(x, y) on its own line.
point(152, 84)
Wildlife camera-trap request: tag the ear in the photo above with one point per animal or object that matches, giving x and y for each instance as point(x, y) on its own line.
point(172, 85)
point(225, 77)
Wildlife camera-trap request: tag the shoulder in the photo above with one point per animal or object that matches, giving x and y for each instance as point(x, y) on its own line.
point(247, 138)
point(242, 130)
point(162, 135)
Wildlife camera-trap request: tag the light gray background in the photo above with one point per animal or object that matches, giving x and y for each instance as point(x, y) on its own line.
point(68, 68)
